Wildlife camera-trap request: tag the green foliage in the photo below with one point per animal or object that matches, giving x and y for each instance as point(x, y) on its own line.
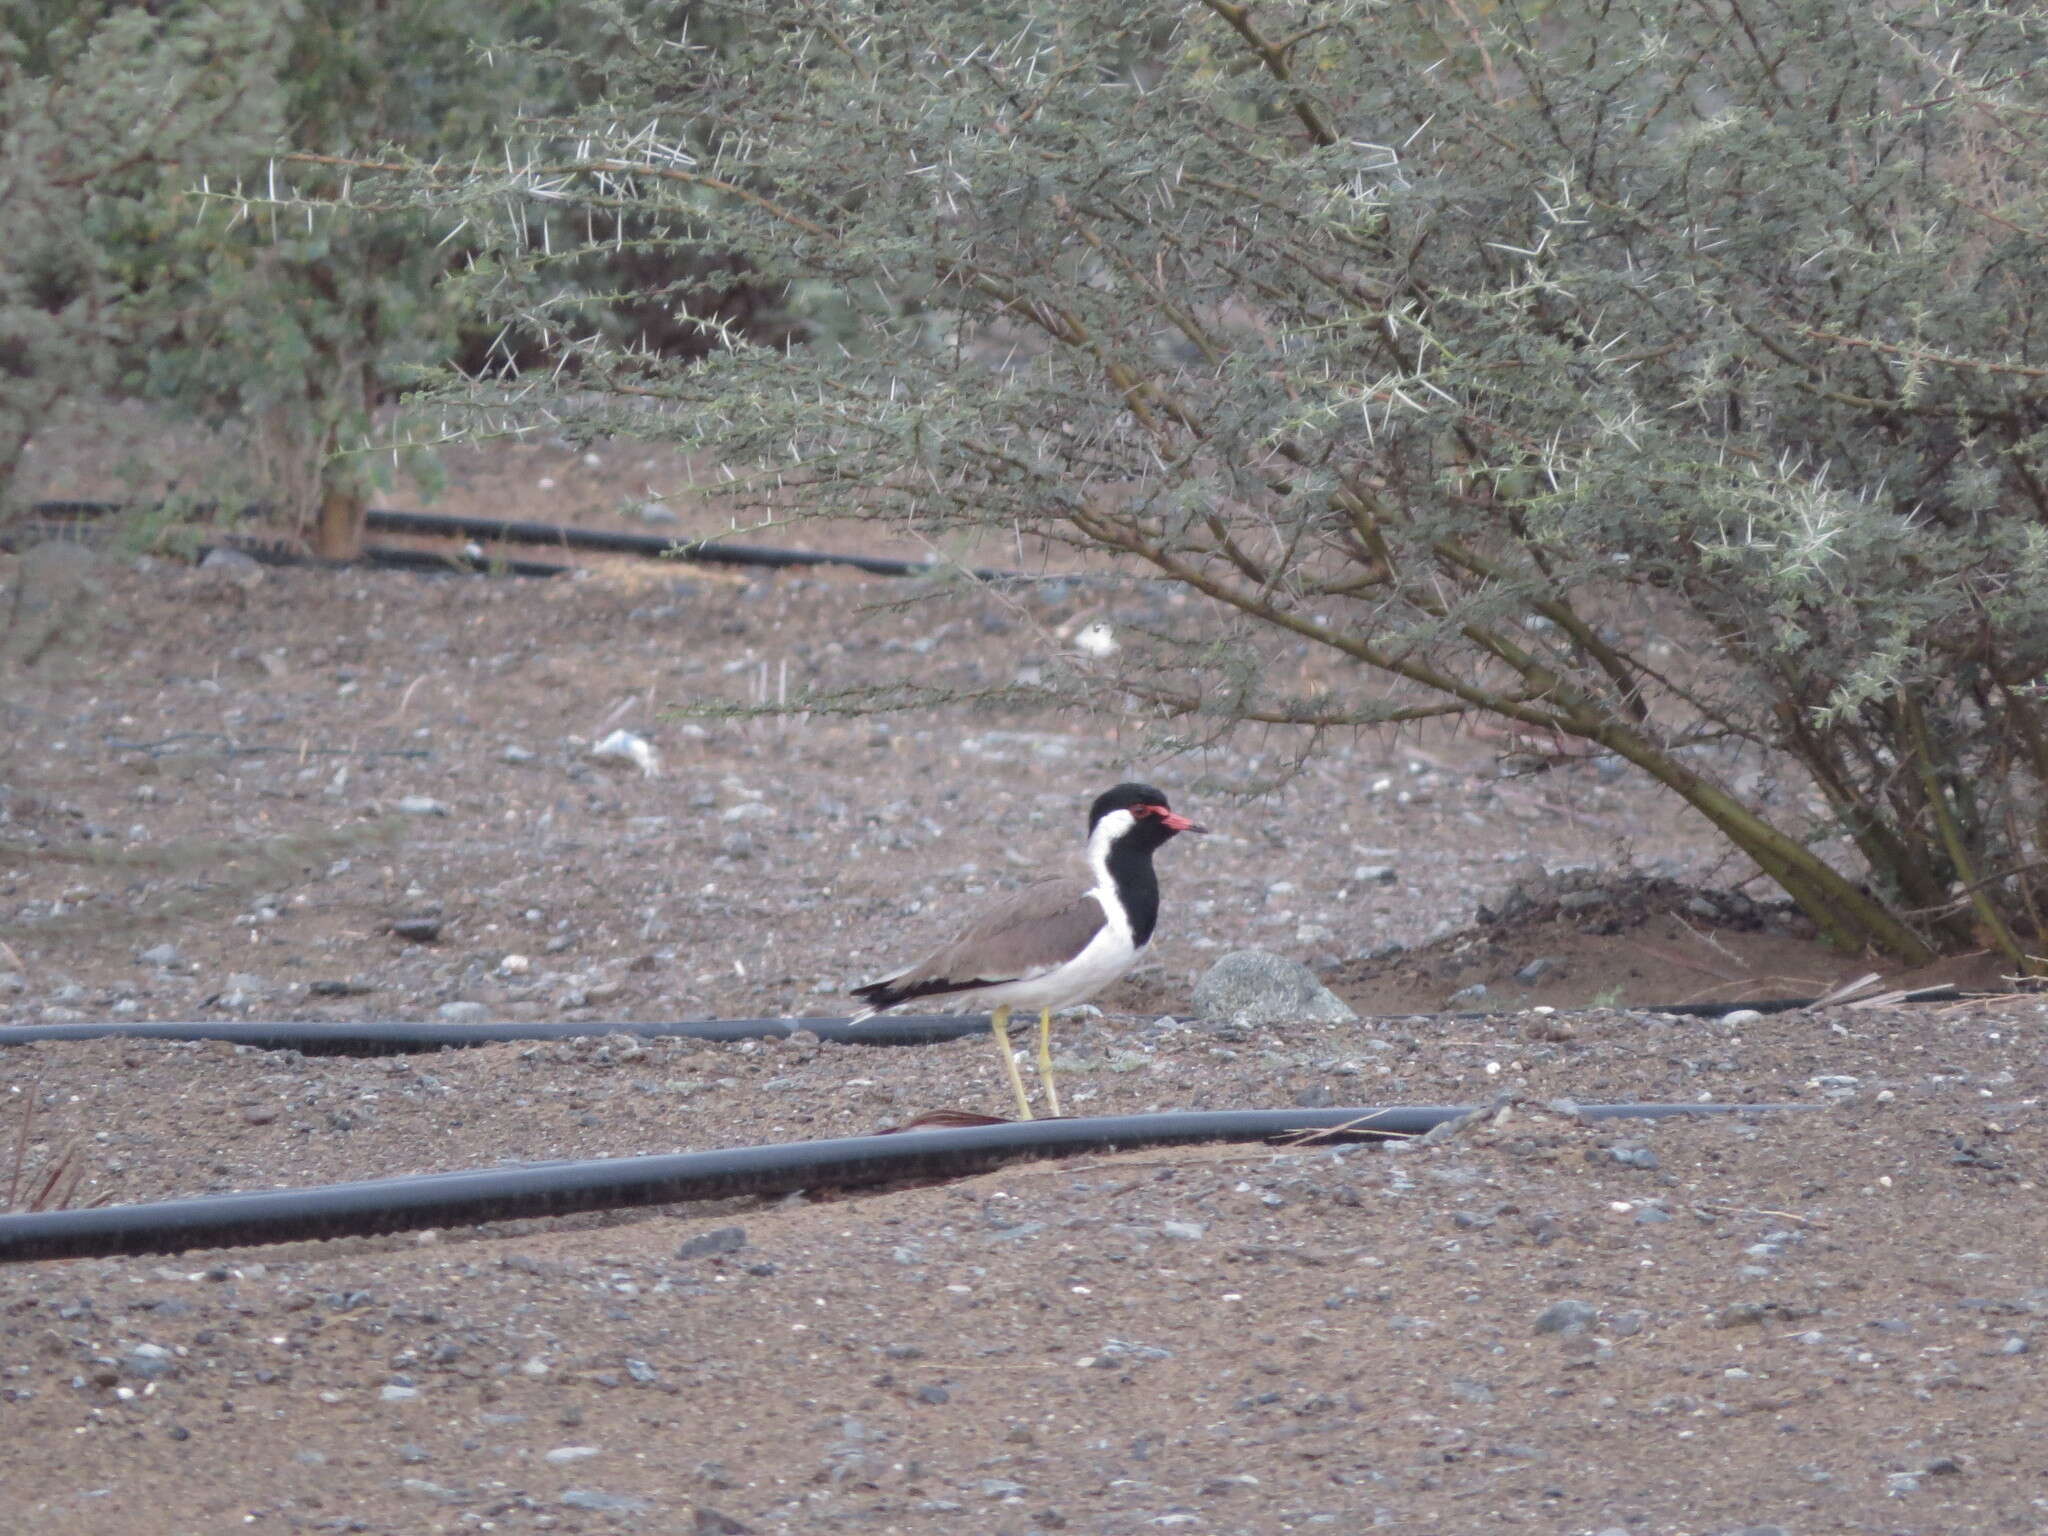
point(300, 328)
point(1664, 374)
point(105, 111)
point(237, 306)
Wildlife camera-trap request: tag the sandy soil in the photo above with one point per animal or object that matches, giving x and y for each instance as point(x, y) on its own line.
point(223, 797)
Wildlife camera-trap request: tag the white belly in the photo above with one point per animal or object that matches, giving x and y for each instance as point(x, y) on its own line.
point(1108, 956)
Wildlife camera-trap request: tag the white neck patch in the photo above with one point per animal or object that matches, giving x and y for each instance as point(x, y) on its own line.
point(1107, 831)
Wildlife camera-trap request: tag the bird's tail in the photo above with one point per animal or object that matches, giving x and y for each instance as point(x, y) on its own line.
point(878, 995)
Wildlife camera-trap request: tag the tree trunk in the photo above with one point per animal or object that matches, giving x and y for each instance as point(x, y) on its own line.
point(338, 527)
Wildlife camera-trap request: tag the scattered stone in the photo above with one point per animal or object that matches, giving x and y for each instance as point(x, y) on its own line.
point(622, 749)
point(1185, 1231)
point(1743, 1314)
point(417, 930)
point(515, 754)
point(709, 1522)
point(1741, 1016)
point(1634, 1157)
point(419, 1487)
point(462, 1012)
point(1567, 1317)
point(243, 988)
point(747, 810)
point(1472, 994)
point(1537, 969)
point(244, 570)
point(1252, 986)
point(654, 512)
point(160, 955)
point(1374, 874)
point(717, 1240)
point(398, 1392)
point(149, 1361)
point(605, 1503)
point(259, 1114)
point(342, 987)
point(421, 805)
point(561, 1455)
point(1114, 1350)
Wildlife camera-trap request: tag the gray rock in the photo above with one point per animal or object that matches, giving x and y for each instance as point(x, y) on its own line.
point(1186, 1231)
point(160, 955)
point(420, 1487)
point(710, 1522)
point(606, 1503)
point(421, 805)
point(1127, 1349)
point(717, 1240)
point(1537, 969)
point(1741, 1016)
point(1255, 987)
point(1374, 874)
point(149, 1361)
point(233, 566)
point(1567, 1317)
point(462, 1012)
point(1471, 994)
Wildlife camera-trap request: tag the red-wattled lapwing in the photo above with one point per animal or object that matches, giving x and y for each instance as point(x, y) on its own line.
point(1056, 942)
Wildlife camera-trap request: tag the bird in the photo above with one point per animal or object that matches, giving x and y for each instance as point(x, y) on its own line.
point(1055, 942)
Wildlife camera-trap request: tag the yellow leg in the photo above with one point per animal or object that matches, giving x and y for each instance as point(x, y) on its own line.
point(1052, 1094)
point(999, 1021)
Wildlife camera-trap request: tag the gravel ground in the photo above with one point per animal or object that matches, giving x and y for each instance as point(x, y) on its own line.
point(373, 796)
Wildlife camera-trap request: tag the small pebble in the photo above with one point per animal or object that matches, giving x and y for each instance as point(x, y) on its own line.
point(1567, 1317)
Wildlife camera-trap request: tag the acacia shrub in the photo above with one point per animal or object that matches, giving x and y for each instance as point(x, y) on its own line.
point(1428, 336)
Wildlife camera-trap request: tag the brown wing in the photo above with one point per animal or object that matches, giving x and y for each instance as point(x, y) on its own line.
point(1030, 931)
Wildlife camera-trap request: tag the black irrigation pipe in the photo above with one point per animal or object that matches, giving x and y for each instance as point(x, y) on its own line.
point(399, 1038)
point(394, 557)
point(562, 1188)
point(404, 1037)
point(700, 551)
point(552, 535)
